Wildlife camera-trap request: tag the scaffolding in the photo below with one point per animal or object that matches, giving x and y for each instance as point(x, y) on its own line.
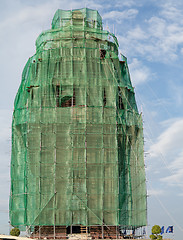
point(77, 137)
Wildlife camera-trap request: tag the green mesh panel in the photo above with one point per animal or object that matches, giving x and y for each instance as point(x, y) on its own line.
point(77, 137)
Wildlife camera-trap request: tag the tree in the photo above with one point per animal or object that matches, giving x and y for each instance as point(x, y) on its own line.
point(15, 232)
point(156, 230)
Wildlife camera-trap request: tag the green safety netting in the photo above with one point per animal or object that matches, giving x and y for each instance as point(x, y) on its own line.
point(77, 136)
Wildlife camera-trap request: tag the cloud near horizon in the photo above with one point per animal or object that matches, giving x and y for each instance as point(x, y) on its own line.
point(168, 148)
point(139, 72)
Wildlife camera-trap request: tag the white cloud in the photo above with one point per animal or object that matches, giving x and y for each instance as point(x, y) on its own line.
point(125, 3)
point(175, 179)
point(155, 192)
point(176, 169)
point(92, 5)
point(171, 12)
point(165, 36)
point(28, 15)
point(169, 149)
point(139, 73)
point(170, 140)
point(137, 33)
point(119, 16)
point(42, 14)
point(178, 162)
point(158, 38)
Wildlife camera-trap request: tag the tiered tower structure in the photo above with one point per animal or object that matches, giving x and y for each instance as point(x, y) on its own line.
point(77, 136)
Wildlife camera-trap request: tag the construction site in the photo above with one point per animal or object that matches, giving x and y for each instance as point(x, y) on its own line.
point(77, 164)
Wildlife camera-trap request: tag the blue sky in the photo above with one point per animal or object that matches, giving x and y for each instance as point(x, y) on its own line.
point(150, 34)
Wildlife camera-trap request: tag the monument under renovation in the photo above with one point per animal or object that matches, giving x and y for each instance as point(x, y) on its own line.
point(77, 139)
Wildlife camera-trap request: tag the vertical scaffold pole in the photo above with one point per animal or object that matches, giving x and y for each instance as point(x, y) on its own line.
point(40, 167)
point(72, 141)
point(102, 230)
point(55, 177)
point(39, 232)
point(85, 104)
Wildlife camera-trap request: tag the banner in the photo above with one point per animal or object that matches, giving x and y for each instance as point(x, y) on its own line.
point(169, 229)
